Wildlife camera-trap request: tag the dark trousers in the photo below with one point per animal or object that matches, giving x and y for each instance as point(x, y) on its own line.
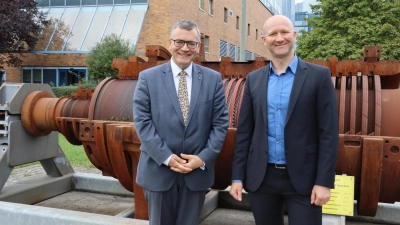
point(276, 190)
point(177, 206)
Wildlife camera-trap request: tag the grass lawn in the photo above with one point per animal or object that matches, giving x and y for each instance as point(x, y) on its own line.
point(75, 154)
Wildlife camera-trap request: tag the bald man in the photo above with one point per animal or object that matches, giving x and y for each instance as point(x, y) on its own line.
point(287, 135)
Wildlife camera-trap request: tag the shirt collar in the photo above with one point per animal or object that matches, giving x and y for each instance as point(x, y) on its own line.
point(292, 65)
point(176, 69)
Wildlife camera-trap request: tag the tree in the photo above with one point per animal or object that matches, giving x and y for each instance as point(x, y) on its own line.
point(101, 56)
point(342, 28)
point(20, 23)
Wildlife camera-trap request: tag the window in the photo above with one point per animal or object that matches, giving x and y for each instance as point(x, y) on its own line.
point(238, 54)
point(256, 34)
point(248, 55)
point(73, 2)
point(37, 76)
point(225, 15)
point(58, 76)
point(206, 41)
point(26, 76)
point(104, 2)
point(211, 7)
point(50, 76)
point(222, 48)
point(237, 22)
point(248, 29)
point(201, 4)
point(3, 76)
point(232, 51)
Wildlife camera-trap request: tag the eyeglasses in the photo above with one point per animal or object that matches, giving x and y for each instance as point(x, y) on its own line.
point(180, 43)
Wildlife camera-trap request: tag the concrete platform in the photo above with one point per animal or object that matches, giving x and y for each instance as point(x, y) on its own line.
point(94, 199)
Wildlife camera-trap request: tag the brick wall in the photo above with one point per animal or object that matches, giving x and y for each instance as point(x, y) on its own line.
point(162, 15)
point(30, 59)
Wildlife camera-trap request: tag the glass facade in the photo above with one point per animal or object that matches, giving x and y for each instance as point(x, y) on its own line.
point(274, 6)
point(78, 25)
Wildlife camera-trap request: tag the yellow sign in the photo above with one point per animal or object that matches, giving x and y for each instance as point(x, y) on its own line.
point(342, 197)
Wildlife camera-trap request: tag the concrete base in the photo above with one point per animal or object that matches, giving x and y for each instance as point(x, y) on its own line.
point(215, 202)
point(20, 214)
point(386, 214)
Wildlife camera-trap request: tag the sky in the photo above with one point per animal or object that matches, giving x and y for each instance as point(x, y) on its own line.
point(298, 1)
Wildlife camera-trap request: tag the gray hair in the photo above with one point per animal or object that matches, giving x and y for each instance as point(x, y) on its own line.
point(186, 25)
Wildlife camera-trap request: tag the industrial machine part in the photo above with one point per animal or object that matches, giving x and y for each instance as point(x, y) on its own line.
point(102, 122)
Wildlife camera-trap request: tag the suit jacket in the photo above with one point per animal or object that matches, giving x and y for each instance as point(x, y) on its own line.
point(311, 130)
point(159, 123)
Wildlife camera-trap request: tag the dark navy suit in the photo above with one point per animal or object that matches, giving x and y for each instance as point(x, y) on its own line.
point(310, 131)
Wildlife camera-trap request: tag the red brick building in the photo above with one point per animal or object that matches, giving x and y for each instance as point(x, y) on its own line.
point(77, 25)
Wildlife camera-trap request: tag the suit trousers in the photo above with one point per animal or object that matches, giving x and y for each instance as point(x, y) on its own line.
point(268, 201)
point(177, 206)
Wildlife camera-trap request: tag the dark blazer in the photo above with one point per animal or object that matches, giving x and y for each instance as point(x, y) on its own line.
point(311, 130)
point(159, 123)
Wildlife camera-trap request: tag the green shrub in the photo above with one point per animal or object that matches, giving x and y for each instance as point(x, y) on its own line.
point(64, 90)
point(67, 90)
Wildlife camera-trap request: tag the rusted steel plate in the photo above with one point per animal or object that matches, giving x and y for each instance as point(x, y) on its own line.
point(370, 176)
point(336, 85)
point(378, 103)
point(349, 159)
point(342, 105)
point(364, 120)
point(69, 127)
point(131, 144)
point(390, 182)
point(120, 160)
point(371, 106)
point(353, 105)
point(92, 135)
point(390, 112)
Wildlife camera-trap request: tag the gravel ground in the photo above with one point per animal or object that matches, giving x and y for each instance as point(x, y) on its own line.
point(29, 172)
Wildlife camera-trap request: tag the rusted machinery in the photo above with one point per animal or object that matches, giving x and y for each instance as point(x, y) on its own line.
point(102, 122)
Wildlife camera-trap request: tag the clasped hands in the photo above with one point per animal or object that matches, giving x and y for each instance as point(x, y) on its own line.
point(185, 163)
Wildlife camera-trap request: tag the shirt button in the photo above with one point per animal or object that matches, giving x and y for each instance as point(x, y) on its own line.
point(278, 142)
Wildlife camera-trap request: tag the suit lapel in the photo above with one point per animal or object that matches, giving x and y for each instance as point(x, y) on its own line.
point(263, 92)
point(196, 85)
point(299, 78)
point(168, 79)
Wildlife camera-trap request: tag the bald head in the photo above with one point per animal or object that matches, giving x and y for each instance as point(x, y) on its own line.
point(277, 19)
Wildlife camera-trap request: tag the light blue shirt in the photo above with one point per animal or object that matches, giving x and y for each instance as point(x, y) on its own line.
point(278, 95)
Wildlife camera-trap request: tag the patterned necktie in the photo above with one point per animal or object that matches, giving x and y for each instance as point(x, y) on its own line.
point(183, 96)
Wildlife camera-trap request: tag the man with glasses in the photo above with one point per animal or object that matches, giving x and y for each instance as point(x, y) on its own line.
point(181, 118)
